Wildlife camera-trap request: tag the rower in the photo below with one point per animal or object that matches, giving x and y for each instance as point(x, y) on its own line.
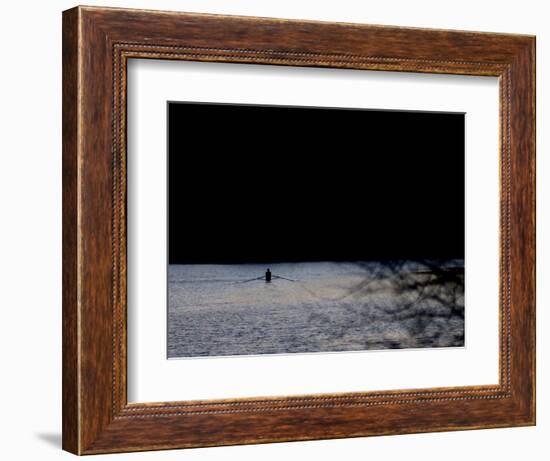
point(268, 275)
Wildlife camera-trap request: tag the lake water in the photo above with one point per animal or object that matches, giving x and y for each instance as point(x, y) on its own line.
point(220, 310)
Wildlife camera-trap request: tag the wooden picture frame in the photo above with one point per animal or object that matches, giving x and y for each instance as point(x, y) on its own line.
point(97, 43)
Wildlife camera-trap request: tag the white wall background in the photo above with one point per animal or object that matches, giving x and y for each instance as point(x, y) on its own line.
point(30, 227)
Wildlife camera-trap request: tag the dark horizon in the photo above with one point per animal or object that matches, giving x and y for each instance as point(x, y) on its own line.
point(267, 184)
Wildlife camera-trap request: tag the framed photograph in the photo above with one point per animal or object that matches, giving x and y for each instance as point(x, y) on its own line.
point(280, 230)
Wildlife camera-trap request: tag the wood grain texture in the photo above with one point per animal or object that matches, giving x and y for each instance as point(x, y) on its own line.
point(97, 43)
point(70, 384)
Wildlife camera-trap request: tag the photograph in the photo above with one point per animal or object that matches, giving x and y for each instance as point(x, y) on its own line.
point(277, 225)
point(296, 229)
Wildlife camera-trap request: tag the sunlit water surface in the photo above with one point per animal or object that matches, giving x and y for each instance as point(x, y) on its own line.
point(216, 310)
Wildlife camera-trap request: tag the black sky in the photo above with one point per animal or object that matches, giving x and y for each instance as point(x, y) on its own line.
point(276, 183)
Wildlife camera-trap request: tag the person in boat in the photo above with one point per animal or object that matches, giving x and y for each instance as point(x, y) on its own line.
point(268, 275)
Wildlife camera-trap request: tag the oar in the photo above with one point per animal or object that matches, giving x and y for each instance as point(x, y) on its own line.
point(284, 278)
point(251, 280)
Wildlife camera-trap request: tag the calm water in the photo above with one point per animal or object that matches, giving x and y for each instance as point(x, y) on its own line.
point(218, 310)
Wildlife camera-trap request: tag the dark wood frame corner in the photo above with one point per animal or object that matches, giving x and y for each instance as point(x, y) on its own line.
point(97, 43)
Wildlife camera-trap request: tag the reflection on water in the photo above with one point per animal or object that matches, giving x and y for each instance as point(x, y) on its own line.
point(218, 310)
